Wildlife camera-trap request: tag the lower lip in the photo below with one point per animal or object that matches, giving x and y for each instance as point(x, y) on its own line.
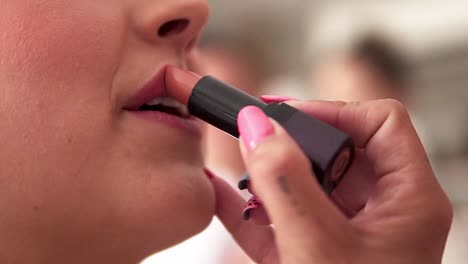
point(190, 125)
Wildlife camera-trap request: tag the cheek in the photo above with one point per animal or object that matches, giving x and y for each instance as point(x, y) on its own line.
point(59, 39)
point(57, 60)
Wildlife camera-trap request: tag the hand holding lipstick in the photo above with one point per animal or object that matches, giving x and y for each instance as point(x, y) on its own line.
point(388, 209)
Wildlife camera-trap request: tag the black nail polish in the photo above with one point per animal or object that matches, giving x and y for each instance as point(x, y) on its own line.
point(244, 182)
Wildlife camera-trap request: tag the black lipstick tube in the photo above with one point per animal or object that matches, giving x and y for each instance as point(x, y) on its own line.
point(330, 150)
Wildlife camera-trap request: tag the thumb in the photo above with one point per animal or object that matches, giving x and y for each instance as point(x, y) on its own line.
point(282, 177)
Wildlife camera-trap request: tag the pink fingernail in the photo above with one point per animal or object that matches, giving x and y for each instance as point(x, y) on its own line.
point(255, 211)
point(254, 126)
point(251, 205)
point(275, 98)
point(208, 173)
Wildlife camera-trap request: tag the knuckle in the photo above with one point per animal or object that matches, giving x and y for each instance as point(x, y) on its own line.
point(395, 112)
point(396, 108)
point(339, 103)
point(439, 213)
point(353, 104)
point(445, 215)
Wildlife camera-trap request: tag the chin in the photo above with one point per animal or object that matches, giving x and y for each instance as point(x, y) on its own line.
point(192, 207)
point(179, 205)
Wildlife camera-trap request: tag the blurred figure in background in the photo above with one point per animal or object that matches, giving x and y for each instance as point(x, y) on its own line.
point(372, 69)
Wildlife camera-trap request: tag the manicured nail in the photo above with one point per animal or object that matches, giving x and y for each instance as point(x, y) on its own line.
point(244, 182)
point(254, 126)
point(251, 205)
point(275, 98)
point(208, 173)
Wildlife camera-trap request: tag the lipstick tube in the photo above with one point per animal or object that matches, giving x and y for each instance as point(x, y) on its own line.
point(330, 151)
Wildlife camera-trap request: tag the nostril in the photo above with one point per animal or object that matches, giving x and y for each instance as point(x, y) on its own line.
point(173, 27)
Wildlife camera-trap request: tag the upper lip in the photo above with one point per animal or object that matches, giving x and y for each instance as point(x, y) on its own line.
point(155, 87)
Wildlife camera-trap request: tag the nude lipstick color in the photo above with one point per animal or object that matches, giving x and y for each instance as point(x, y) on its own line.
point(330, 151)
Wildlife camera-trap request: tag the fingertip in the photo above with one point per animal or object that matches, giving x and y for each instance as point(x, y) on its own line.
point(209, 174)
point(254, 126)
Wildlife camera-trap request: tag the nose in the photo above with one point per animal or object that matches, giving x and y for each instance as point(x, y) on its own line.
point(172, 22)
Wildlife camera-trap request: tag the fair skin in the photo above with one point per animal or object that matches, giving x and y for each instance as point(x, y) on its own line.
point(82, 180)
point(388, 209)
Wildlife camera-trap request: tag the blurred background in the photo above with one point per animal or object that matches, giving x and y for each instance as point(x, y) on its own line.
point(414, 51)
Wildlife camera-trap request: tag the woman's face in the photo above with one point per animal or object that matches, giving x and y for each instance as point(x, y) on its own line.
point(75, 167)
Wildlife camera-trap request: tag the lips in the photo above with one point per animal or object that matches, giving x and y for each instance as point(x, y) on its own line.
point(153, 103)
point(154, 97)
point(152, 89)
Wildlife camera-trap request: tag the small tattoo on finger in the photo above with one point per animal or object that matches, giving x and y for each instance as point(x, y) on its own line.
point(284, 185)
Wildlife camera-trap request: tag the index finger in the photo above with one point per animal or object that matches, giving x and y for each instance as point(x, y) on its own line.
point(382, 128)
